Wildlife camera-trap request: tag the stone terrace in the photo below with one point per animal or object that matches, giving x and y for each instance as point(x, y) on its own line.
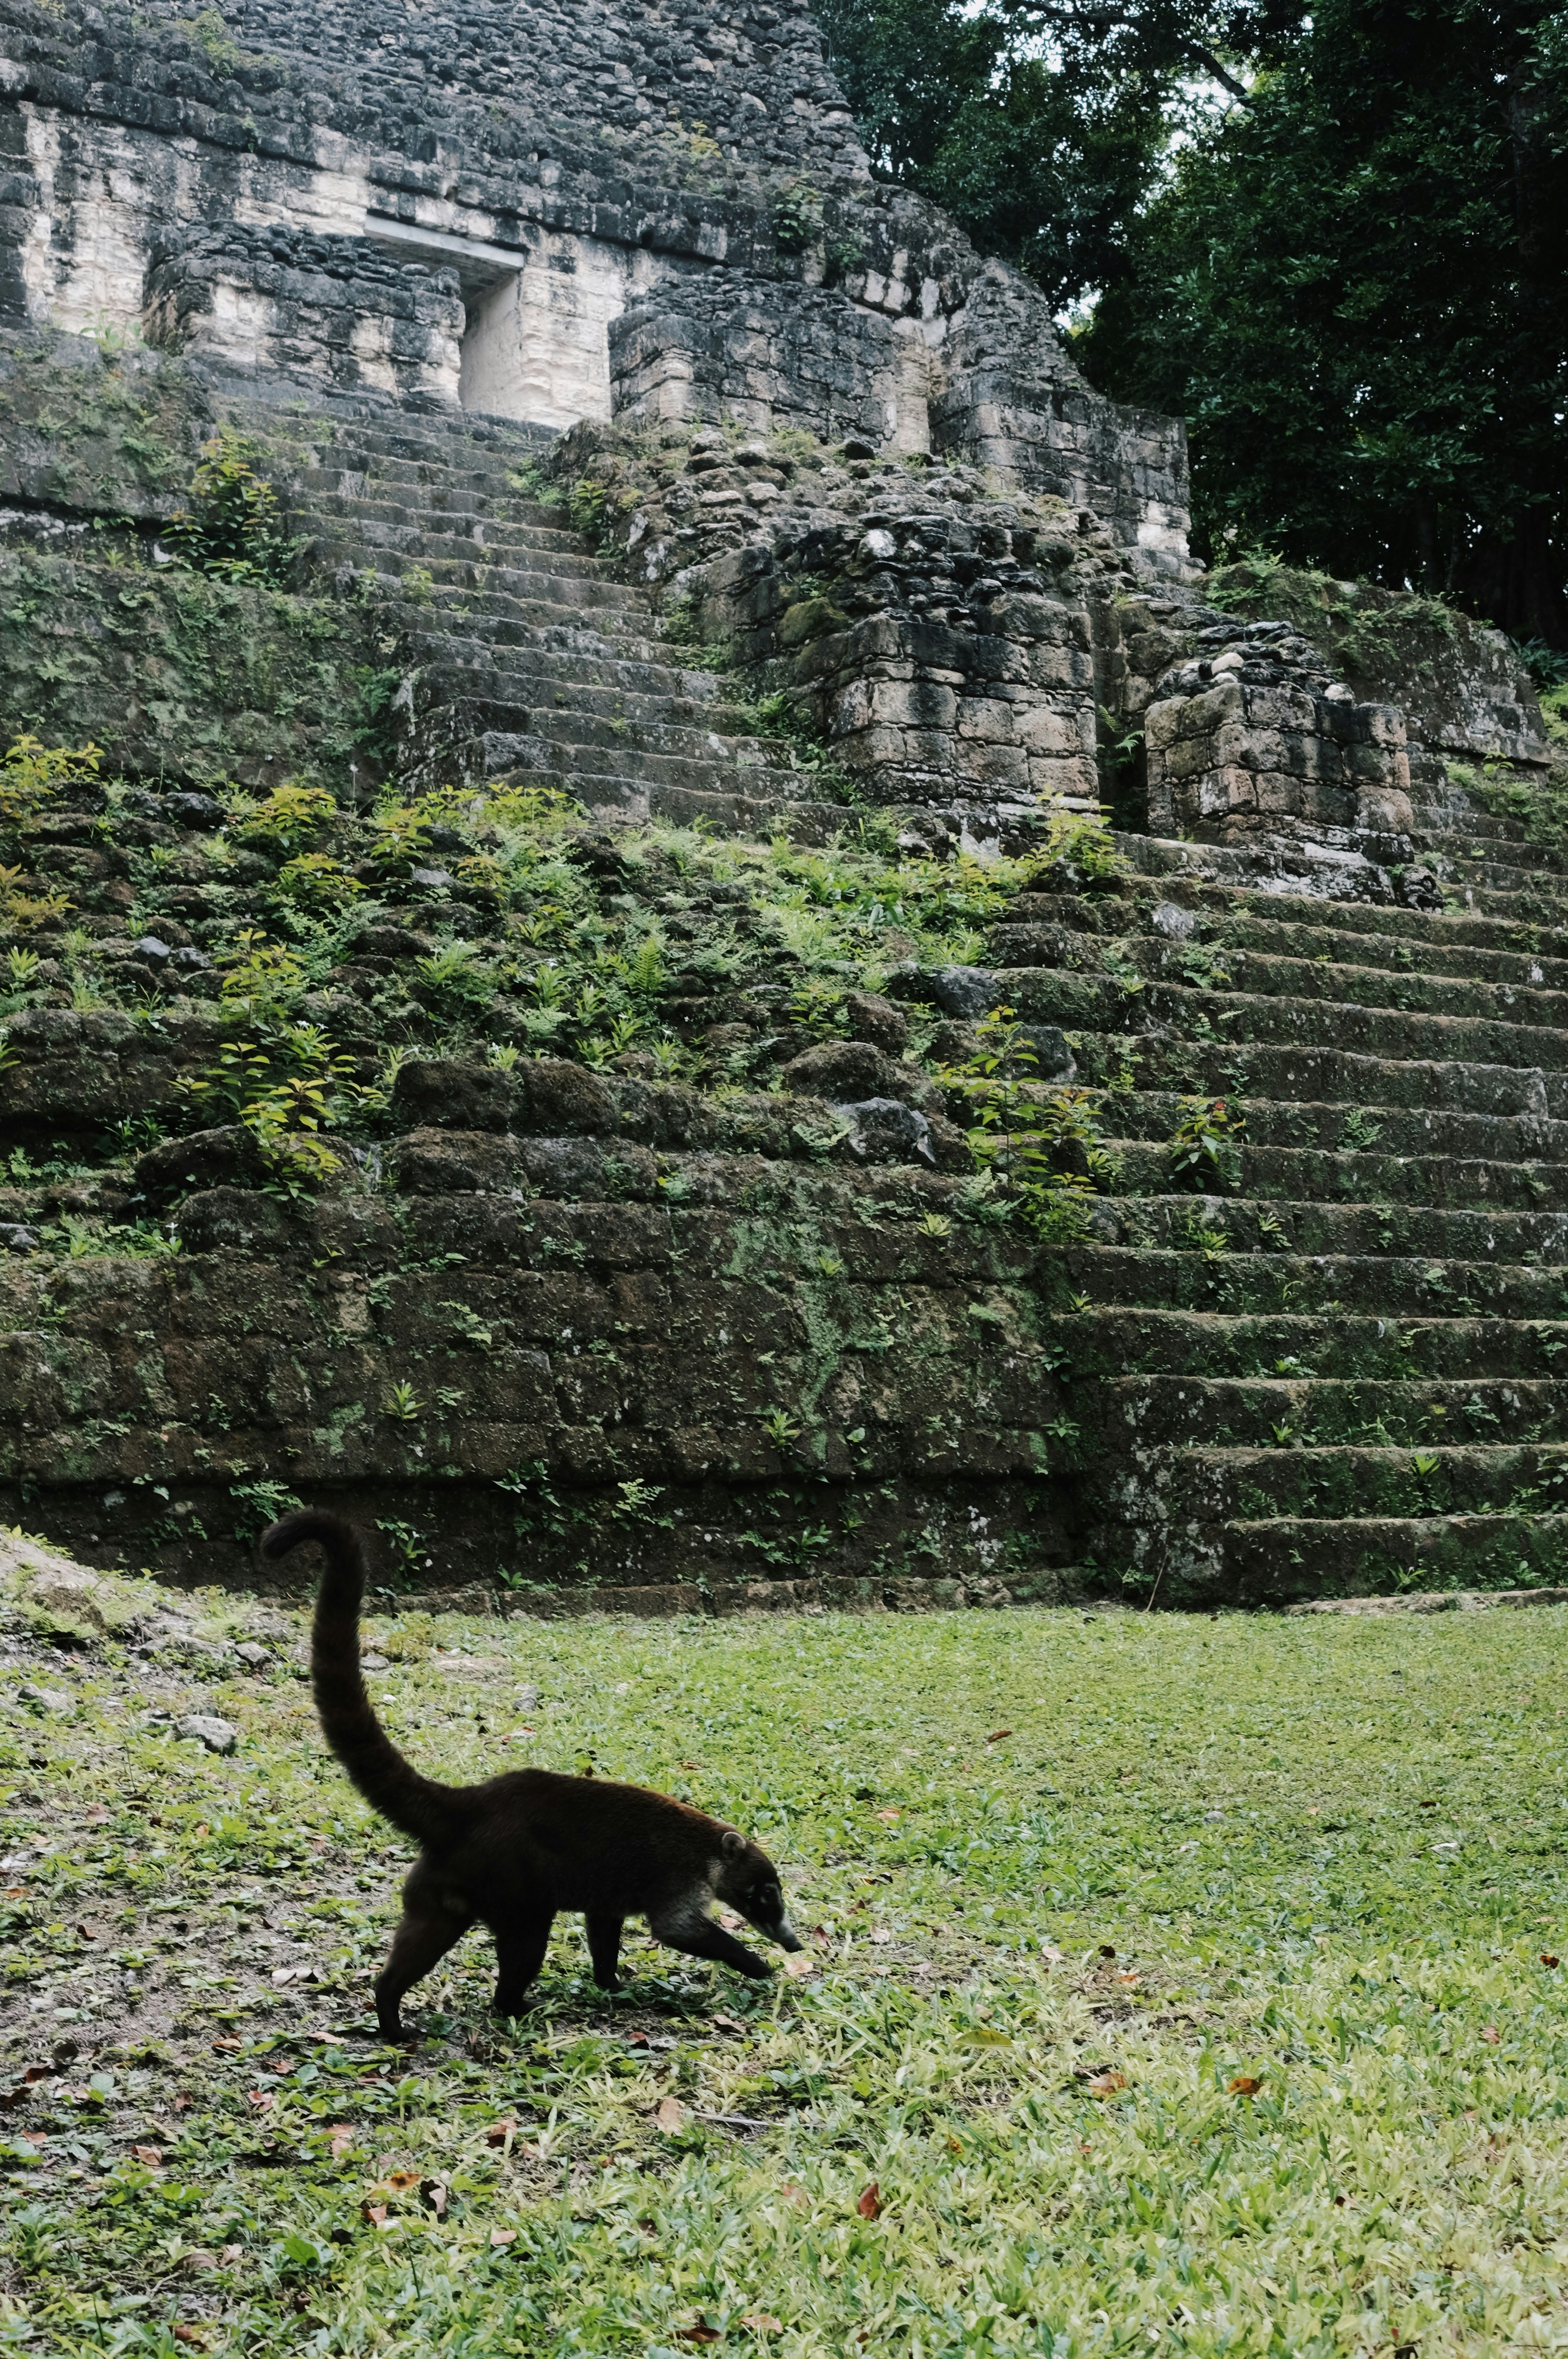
point(675, 1347)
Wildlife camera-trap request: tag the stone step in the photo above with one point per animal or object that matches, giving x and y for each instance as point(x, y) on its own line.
point(1102, 1005)
point(1219, 962)
point(1324, 1076)
point(1204, 1486)
point(464, 439)
point(556, 627)
point(1491, 889)
point(318, 493)
point(1347, 1128)
point(1465, 857)
point(1431, 820)
point(1424, 956)
point(633, 794)
point(1391, 1286)
point(1312, 1175)
point(426, 534)
point(1279, 1559)
point(1038, 930)
point(1243, 1224)
point(1217, 907)
point(1272, 975)
point(470, 567)
point(1143, 1339)
point(584, 683)
point(501, 698)
point(1280, 1411)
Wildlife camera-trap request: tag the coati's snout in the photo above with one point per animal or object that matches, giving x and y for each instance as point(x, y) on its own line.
point(751, 1887)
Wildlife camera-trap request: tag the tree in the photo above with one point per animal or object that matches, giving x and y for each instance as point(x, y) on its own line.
point(1355, 289)
point(1041, 127)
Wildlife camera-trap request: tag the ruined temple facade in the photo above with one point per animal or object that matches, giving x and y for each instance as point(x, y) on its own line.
point(540, 214)
point(661, 216)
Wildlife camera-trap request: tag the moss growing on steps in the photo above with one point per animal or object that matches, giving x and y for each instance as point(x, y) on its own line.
point(589, 1206)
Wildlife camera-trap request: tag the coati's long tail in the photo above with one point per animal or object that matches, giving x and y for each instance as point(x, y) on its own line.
point(421, 1808)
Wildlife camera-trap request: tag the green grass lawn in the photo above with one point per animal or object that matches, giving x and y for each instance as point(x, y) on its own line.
point(1315, 2101)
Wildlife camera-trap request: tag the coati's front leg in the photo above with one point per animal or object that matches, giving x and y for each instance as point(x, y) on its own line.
point(520, 1944)
point(604, 1930)
point(430, 1928)
point(699, 1937)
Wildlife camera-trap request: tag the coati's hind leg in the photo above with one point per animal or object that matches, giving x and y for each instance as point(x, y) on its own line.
point(604, 1947)
point(520, 1944)
point(431, 1926)
point(701, 1938)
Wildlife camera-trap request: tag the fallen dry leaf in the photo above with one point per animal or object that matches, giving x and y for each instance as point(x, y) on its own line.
point(503, 2236)
point(671, 2116)
point(1547, 1958)
point(399, 2181)
point(954, 2146)
point(1105, 2084)
point(14, 1892)
point(228, 2045)
point(201, 2261)
point(996, 1735)
point(342, 2136)
point(761, 2322)
point(700, 2332)
point(799, 1965)
point(1244, 2084)
point(1490, 2034)
point(151, 2155)
point(730, 1921)
point(880, 1933)
point(795, 2195)
point(183, 2334)
point(726, 2023)
point(499, 2131)
point(262, 2098)
point(433, 2194)
point(373, 2214)
point(889, 1818)
point(231, 2253)
point(870, 2204)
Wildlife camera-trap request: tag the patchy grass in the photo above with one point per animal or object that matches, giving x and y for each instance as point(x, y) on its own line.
point(1315, 2103)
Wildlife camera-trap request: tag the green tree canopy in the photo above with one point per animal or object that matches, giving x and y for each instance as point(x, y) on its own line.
point(1356, 291)
point(1335, 243)
point(1041, 127)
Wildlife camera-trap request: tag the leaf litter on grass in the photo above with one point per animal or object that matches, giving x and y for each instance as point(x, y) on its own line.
point(1152, 2054)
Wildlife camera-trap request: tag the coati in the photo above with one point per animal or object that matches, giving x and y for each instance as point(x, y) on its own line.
point(510, 1853)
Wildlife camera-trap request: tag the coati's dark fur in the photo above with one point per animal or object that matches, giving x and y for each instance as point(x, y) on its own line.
point(510, 1853)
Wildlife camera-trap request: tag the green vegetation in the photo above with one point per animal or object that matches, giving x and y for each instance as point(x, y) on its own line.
point(1312, 2102)
point(232, 529)
point(1349, 287)
point(542, 934)
point(1330, 239)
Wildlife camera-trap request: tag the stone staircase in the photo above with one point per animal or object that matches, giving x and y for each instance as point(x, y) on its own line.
point(1343, 1374)
point(1340, 1376)
point(527, 659)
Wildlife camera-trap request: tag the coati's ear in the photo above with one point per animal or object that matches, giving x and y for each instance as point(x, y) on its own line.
point(733, 1845)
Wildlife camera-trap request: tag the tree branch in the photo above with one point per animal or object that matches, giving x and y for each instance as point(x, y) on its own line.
point(1105, 20)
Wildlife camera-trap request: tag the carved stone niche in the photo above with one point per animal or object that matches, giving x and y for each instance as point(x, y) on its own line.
point(1233, 758)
